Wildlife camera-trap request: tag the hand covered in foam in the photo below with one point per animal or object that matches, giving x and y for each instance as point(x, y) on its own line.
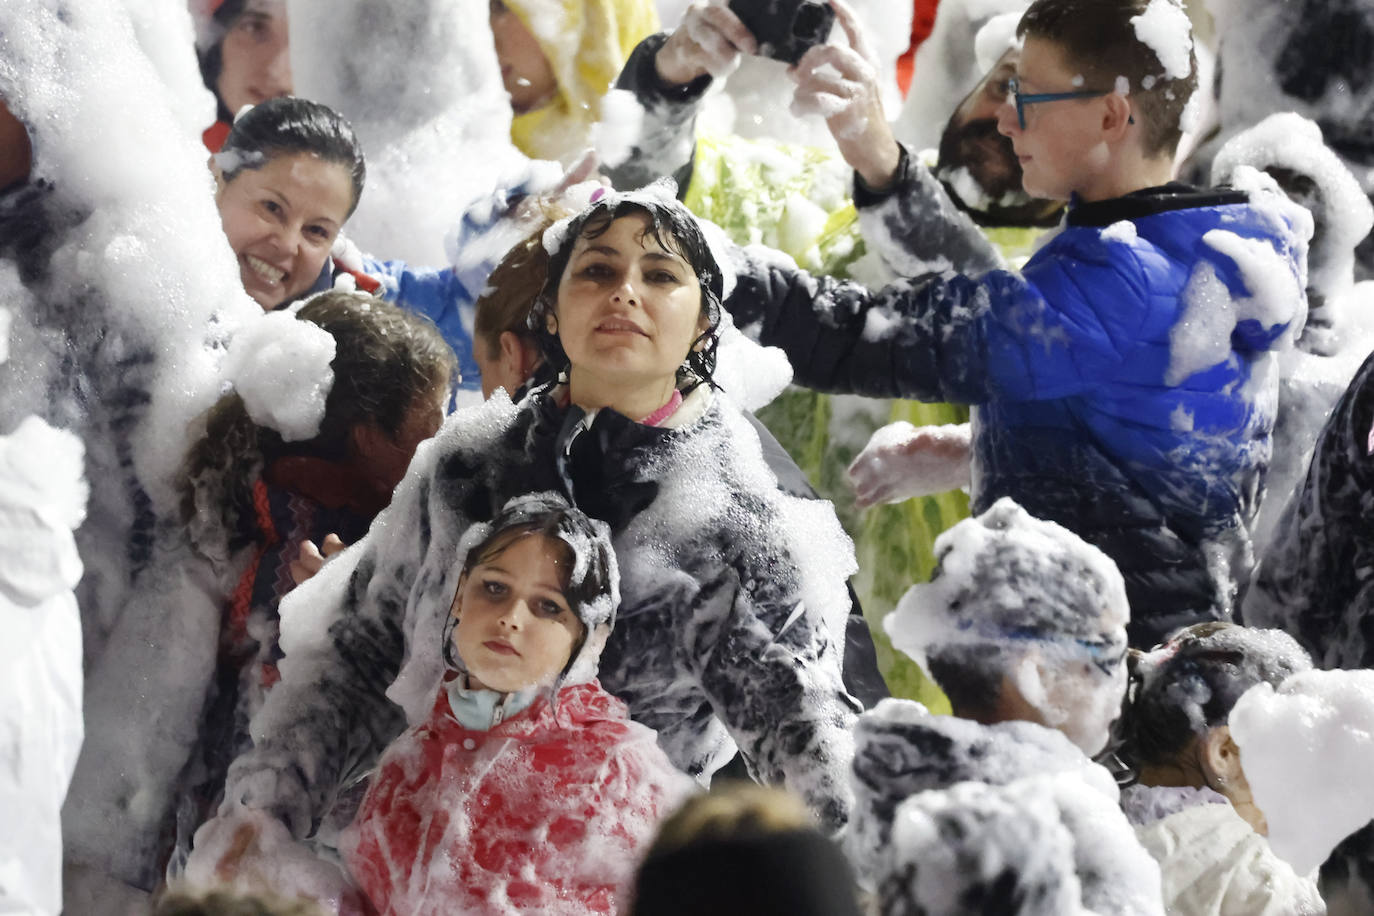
point(841, 85)
point(709, 40)
point(246, 851)
point(902, 461)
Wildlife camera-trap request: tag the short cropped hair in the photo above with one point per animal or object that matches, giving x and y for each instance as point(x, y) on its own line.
point(1099, 38)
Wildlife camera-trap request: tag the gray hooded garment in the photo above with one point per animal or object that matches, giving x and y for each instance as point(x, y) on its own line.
point(730, 628)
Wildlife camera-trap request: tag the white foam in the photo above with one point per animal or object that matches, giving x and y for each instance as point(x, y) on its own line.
point(1307, 749)
point(280, 367)
point(1166, 29)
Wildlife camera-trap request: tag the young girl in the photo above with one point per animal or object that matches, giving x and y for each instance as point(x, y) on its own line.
point(527, 789)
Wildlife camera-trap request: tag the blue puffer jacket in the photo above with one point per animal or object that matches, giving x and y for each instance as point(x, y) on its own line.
point(1100, 404)
point(440, 294)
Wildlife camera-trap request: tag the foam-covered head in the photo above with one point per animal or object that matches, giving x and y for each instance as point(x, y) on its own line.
point(1191, 683)
point(1290, 148)
point(1048, 843)
point(668, 224)
point(586, 569)
point(1307, 748)
point(1018, 601)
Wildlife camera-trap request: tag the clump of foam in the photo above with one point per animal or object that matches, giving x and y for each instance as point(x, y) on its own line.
point(280, 367)
point(1307, 749)
point(1046, 844)
point(1289, 141)
point(1165, 28)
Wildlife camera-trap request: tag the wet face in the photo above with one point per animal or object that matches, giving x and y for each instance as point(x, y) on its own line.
point(525, 70)
point(515, 627)
point(971, 139)
point(1062, 147)
point(628, 309)
point(256, 65)
point(281, 221)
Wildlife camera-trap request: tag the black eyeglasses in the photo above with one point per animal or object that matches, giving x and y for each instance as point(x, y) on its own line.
point(1033, 98)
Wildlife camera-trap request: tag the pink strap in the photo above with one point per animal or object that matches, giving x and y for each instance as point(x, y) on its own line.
point(663, 413)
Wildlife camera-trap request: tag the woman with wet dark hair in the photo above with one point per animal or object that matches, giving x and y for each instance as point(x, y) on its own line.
point(733, 594)
point(289, 176)
point(1193, 808)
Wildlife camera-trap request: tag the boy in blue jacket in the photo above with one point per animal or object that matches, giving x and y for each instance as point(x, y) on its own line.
point(1124, 380)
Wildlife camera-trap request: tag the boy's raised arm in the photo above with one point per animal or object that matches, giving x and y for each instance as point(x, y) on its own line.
point(947, 337)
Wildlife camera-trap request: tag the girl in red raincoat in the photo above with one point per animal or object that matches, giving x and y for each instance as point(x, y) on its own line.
point(527, 789)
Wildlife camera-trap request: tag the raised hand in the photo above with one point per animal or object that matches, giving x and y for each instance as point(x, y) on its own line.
point(710, 39)
point(902, 461)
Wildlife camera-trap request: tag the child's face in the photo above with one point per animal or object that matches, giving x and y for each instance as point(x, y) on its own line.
point(1062, 148)
point(515, 627)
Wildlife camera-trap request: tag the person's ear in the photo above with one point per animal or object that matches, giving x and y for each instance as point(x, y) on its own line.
point(1221, 758)
point(1117, 116)
point(517, 357)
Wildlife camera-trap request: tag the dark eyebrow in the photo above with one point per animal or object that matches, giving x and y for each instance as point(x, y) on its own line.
point(600, 249)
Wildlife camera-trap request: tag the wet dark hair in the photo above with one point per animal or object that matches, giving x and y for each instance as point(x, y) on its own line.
point(562, 525)
point(1347, 875)
point(674, 228)
point(385, 359)
point(1099, 38)
point(289, 126)
point(1207, 668)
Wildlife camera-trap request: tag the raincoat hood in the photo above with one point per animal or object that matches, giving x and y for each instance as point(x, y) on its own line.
point(587, 43)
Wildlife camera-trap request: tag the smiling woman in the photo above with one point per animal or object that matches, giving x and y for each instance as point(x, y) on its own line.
point(287, 179)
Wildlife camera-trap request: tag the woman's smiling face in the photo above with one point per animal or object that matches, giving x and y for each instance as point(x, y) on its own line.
point(281, 221)
point(628, 308)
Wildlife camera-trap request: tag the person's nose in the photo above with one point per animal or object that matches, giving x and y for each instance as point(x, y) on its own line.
point(278, 71)
point(515, 616)
point(627, 293)
point(1007, 123)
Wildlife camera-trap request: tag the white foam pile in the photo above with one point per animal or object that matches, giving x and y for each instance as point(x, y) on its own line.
point(1048, 602)
point(421, 86)
point(1046, 844)
point(1164, 27)
point(280, 367)
point(1307, 749)
point(42, 498)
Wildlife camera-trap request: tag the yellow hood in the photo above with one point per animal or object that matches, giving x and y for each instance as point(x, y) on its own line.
point(587, 43)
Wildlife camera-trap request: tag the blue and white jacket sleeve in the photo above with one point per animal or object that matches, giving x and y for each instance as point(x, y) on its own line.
point(947, 338)
point(443, 296)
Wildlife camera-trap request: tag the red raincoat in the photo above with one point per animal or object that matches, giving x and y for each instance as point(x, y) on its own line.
point(545, 813)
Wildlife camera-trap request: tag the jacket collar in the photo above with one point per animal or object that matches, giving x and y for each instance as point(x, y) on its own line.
point(1148, 201)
